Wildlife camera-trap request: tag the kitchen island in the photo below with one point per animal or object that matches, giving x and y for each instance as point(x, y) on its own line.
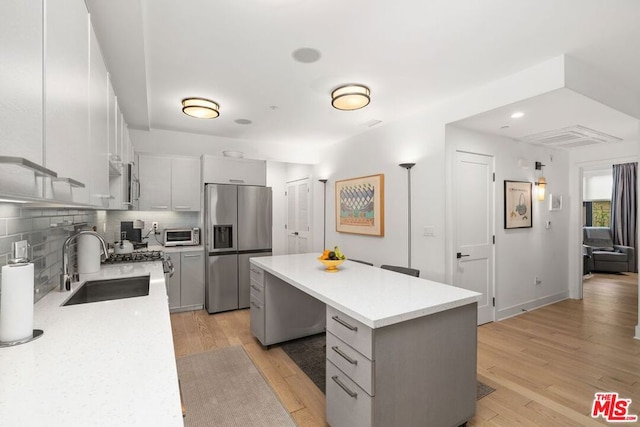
point(401, 350)
point(98, 364)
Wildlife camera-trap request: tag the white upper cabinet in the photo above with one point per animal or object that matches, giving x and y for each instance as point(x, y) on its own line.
point(98, 125)
point(228, 170)
point(169, 183)
point(21, 86)
point(185, 184)
point(66, 92)
point(155, 182)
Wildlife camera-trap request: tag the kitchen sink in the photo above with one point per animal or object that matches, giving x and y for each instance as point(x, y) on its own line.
point(106, 290)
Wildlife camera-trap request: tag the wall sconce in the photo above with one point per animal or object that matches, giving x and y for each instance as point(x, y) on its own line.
point(541, 183)
point(200, 108)
point(408, 167)
point(324, 215)
point(350, 97)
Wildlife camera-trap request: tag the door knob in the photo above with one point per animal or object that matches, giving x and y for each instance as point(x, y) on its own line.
point(295, 233)
point(459, 255)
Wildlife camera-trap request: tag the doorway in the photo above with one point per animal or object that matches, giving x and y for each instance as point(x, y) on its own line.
point(298, 216)
point(473, 229)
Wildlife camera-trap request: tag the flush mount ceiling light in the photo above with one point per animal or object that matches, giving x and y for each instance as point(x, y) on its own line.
point(350, 97)
point(517, 115)
point(200, 108)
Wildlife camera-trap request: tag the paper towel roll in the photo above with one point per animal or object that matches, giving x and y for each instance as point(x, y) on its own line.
point(16, 302)
point(88, 254)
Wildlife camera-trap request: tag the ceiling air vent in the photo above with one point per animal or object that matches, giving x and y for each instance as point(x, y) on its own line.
point(570, 137)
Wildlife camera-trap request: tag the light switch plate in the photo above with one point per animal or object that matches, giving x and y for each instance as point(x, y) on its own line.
point(429, 230)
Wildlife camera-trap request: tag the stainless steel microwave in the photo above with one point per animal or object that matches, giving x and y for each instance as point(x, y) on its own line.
point(182, 236)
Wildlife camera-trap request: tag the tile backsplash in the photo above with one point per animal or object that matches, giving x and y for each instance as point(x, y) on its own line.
point(108, 222)
point(46, 231)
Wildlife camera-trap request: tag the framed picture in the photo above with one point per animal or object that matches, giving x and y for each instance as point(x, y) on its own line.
point(360, 205)
point(555, 202)
point(517, 204)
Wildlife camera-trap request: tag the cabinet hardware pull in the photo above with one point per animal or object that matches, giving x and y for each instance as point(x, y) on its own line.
point(345, 324)
point(255, 305)
point(159, 207)
point(240, 181)
point(256, 288)
point(344, 355)
point(255, 270)
point(191, 256)
point(344, 387)
point(183, 207)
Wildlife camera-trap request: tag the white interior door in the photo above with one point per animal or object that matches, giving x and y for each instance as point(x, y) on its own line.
point(298, 216)
point(473, 207)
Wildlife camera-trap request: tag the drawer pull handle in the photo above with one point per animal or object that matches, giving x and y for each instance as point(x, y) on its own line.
point(345, 324)
point(256, 288)
point(344, 355)
point(344, 387)
point(255, 305)
point(255, 270)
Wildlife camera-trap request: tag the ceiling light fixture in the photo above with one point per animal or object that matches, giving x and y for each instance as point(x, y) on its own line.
point(350, 97)
point(517, 115)
point(200, 108)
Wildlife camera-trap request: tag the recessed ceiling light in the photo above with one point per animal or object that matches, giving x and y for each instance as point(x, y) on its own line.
point(306, 55)
point(273, 107)
point(200, 108)
point(517, 115)
point(243, 121)
point(504, 127)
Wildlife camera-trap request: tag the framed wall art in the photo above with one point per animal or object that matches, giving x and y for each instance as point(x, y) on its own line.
point(517, 204)
point(360, 205)
point(555, 202)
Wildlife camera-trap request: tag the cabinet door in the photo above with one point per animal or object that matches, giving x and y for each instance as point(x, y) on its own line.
point(185, 184)
point(225, 170)
point(21, 131)
point(173, 283)
point(98, 124)
point(155, 182)
point(192, 278)
point(66, 97)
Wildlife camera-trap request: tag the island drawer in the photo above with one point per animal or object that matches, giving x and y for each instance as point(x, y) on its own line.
point(257, 319)
point(351, 331)
point(257, 289)
point(256, 274)
point(355, 365)
point(347, 403)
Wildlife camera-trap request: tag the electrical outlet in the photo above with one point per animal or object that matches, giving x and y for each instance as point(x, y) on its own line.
point(537, 280)
point(154, 226)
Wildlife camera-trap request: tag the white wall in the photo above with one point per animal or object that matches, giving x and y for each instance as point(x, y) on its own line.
point(421, 139)
point(523, 254)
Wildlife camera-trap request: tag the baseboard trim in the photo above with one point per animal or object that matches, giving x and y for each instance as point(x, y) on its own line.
point(531, 305)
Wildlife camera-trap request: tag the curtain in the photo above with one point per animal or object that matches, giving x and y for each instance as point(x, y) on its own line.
point(624, 206)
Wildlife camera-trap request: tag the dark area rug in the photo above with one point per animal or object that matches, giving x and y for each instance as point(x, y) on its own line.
point(309, 354)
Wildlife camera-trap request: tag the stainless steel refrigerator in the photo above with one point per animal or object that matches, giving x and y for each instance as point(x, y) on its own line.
point(237, 227)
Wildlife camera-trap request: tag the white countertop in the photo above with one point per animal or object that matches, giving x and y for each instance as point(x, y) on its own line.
point(374, 296)
point(107, 363)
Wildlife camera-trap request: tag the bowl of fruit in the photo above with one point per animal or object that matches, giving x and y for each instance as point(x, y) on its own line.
point(332, 259)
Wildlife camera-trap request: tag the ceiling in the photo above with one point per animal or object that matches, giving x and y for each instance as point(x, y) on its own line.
point(410, 54)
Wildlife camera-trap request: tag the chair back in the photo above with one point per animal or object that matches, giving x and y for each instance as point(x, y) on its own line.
point(598, 237)
point(404, 270)
point(361, 262)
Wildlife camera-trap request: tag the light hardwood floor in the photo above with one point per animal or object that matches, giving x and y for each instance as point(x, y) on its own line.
point(545, 364)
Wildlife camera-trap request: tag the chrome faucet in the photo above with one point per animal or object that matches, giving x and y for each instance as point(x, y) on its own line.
point(65, 280)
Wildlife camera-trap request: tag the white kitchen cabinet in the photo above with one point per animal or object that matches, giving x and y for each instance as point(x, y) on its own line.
point(185, 184)
point(186, 288)
point(169, 183)
point(229, 170)
point(98, 125)
point(66, 94)
point(21, 86)
point(155, 182)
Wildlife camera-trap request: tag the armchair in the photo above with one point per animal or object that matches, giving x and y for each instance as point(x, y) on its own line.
point(603, 255)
